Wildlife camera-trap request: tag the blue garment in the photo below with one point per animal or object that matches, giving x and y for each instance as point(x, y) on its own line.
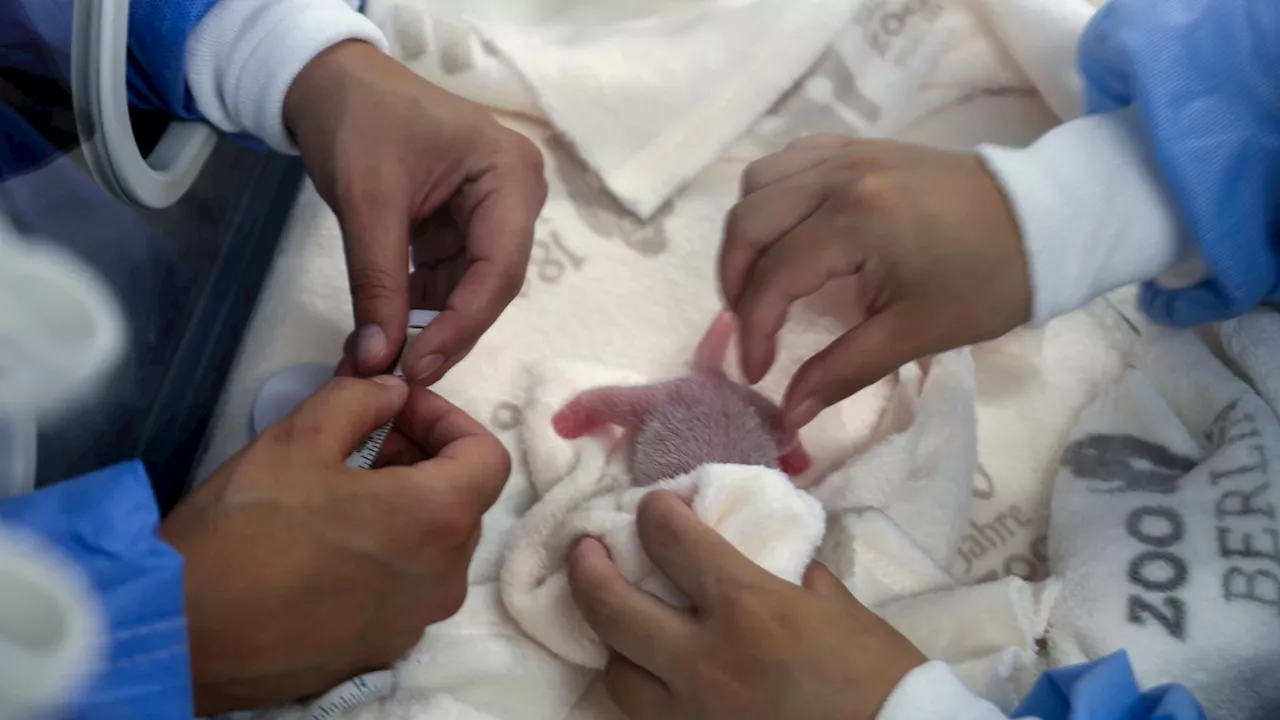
point(1105, 689)
point(1205, 77)
point(106, 523)
point(158, 31)
point(156, 69)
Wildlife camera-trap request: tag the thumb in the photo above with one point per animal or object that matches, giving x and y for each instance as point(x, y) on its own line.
point(874, 348)
point(376, 240)
point(341, 414)
point(819, 580)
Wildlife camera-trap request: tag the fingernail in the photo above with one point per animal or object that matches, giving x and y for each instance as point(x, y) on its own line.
point(389, 380)
point(588, 545)
point(371, 345)
point(804, 413)
point(420, 368)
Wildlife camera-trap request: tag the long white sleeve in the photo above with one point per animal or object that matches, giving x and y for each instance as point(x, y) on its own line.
point(932, 692)
point(244, 55)
point(1093, 212)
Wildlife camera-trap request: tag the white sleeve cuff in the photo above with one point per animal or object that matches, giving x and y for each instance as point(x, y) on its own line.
point(244, 55)
point(933, 692)
point(1092, 209)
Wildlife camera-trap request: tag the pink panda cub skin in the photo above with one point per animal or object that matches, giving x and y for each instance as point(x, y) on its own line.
point(679, 425)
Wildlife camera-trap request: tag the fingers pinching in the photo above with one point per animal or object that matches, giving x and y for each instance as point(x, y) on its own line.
point(338, 417)
point(463, 457)
point(496, 213)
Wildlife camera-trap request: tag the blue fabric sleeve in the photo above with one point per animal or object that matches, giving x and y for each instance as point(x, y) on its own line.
point(1205, 78)
point(158, 31)
point(1105, 689)
point(106, 523)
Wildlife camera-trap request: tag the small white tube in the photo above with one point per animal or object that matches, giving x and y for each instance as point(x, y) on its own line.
point(355, 692)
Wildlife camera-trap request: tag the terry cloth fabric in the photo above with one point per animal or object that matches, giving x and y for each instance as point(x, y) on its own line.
point(1164, 531)
point(650, 92)
point(757, 509)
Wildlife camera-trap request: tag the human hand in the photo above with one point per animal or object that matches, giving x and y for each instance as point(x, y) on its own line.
point(302, 572)
point(398, 158)
point(755, 648)
point(931, 244)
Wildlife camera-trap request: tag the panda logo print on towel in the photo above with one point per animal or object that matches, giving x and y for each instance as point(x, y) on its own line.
point(1126, 464)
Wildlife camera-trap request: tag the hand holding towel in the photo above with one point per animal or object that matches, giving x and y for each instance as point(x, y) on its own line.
point(757, 509)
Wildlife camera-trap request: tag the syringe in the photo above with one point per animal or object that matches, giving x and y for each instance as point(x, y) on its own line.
point(363, 458)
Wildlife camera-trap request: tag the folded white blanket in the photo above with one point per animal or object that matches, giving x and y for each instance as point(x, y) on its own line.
point(649, 92)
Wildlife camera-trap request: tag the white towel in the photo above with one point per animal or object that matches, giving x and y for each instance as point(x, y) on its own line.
point(1041, 37)
point(1253, 342)
point(1164, 531)
point(1031, 387)
point(988, 633)
point(650, 92)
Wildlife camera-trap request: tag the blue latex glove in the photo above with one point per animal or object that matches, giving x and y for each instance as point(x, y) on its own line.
point(1105, 689)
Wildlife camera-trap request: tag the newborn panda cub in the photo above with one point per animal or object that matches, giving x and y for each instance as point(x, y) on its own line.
point(673, 427)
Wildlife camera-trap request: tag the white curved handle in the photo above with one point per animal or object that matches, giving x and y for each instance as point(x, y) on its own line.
point(100, 94)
